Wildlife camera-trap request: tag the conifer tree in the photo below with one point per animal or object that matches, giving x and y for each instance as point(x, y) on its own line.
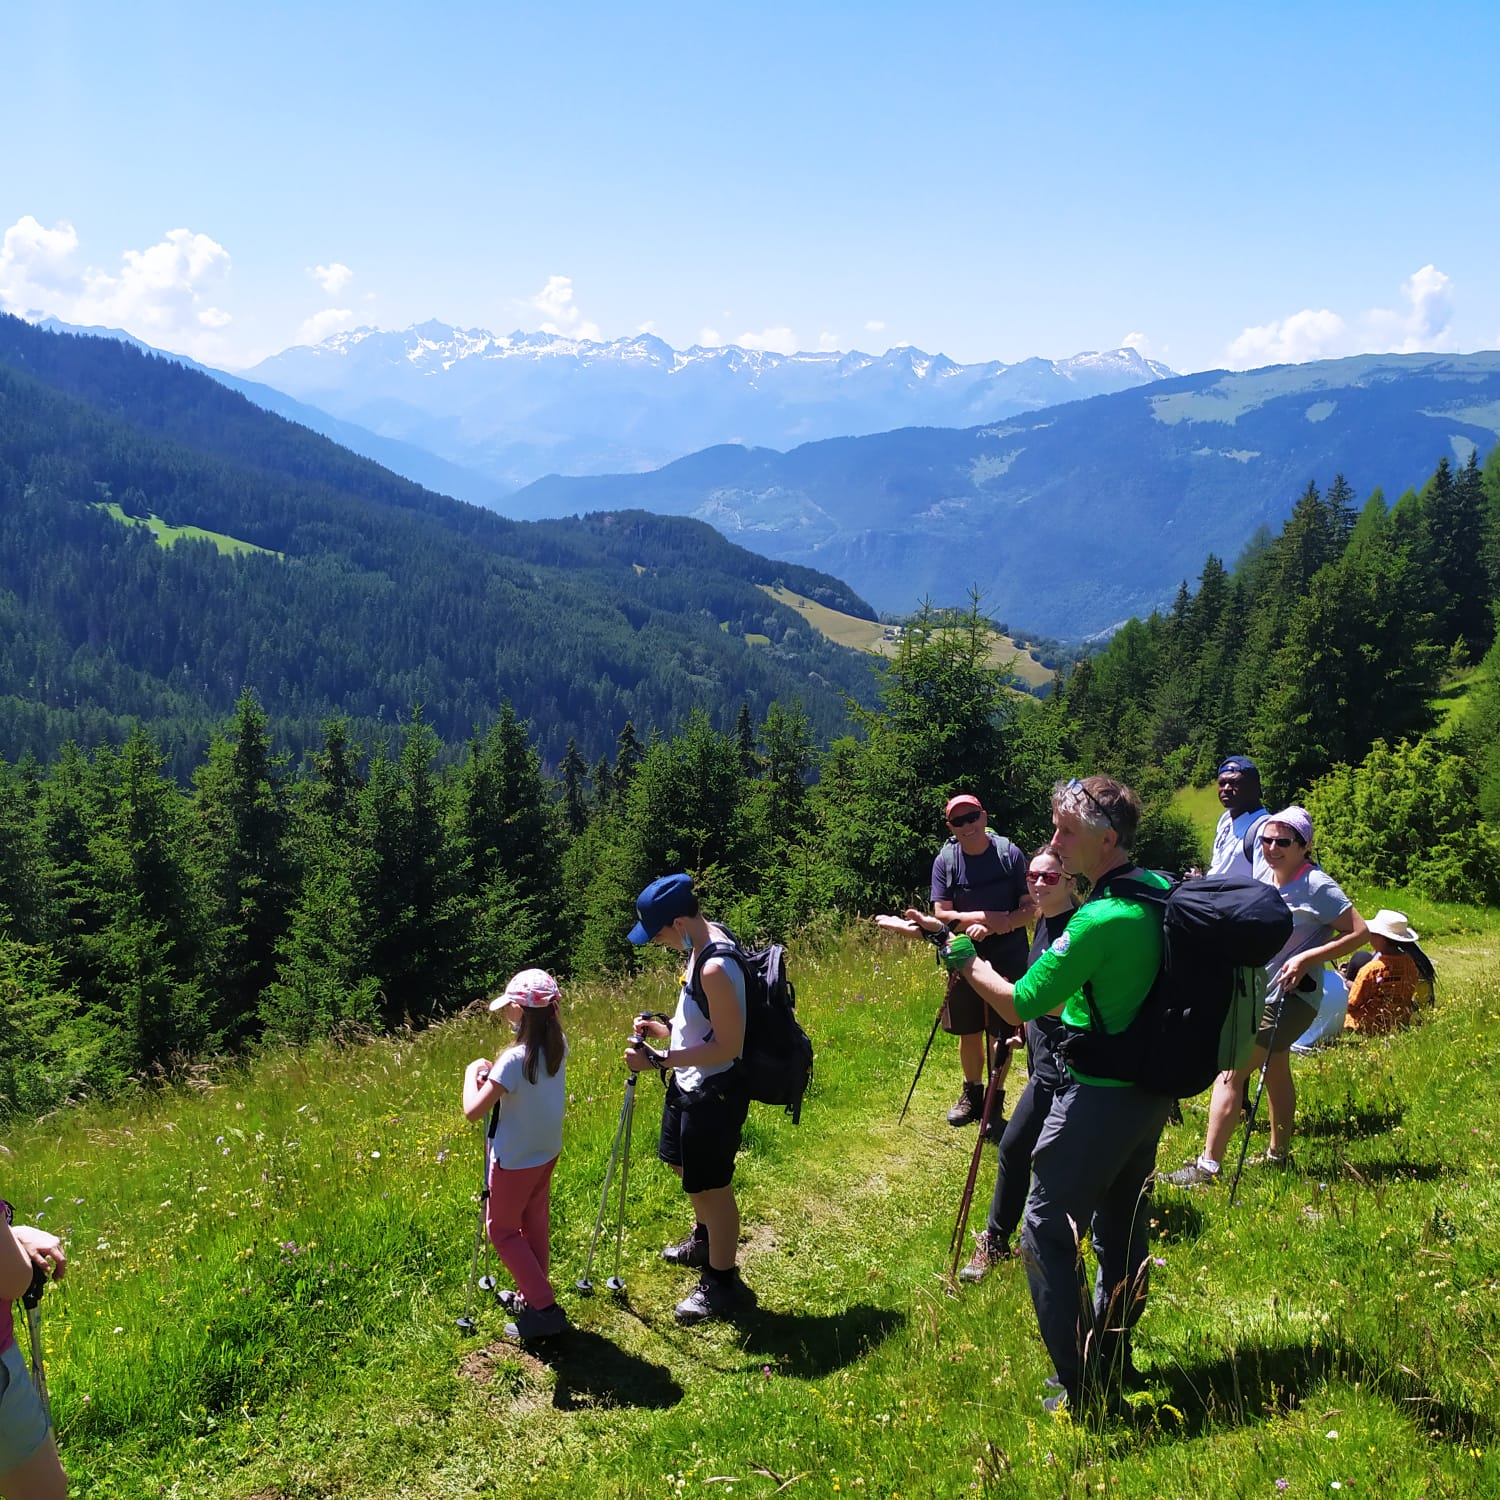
point(571, 772)
point(243, 859)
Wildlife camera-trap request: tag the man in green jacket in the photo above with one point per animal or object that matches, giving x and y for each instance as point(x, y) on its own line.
point(1093, 1162)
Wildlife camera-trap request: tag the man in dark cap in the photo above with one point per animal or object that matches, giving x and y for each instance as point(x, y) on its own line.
point(1240, 797)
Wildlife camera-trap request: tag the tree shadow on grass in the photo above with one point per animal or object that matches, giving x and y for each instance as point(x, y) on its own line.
point(1264, 1381)
point(1353, 1123)
point(807, 1345)
point(593, 1372)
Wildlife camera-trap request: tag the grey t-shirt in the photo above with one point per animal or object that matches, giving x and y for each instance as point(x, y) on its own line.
point(1315, 902)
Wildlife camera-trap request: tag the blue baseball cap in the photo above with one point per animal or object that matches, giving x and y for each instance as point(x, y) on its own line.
point(1238, 763)
point(663, 901)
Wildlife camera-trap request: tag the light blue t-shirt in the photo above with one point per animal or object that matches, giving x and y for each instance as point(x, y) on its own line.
point(1315, 902)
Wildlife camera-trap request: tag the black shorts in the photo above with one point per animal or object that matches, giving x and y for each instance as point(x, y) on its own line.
point(700, 1130)
point(965, 1012)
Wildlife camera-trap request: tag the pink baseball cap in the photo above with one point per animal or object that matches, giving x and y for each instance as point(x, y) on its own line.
point(962, 803)
point(533, 988)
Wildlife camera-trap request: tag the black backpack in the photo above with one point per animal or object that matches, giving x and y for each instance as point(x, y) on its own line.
point(1200, 1017)
point(777, 1060)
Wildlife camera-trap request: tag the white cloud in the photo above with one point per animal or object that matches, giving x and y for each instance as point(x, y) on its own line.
point(709, 338)
point(333, 278)
point(317, 328)
point(777, 340)
point(649, 326)
point(161, 294)
point(555, 303)
point(1424, 323)
point(1139, 342)
point(874, 326)
point(828, 342)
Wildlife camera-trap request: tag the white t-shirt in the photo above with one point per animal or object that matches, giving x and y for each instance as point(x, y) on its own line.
point(1315, 901)
point(1229, 846)
point(529, 1130)
point(691, 1026)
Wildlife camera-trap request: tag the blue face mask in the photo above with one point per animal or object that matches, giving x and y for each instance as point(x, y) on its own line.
point(687, 943)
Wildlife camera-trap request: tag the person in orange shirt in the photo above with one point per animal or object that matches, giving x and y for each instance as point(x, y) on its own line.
point(1394, 983)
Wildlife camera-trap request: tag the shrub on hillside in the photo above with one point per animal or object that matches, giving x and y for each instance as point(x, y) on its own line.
point(1408, 817)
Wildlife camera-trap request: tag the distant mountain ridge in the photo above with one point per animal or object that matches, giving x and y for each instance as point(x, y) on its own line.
point(370, 595)
point(1072, 519)
point(515, 407)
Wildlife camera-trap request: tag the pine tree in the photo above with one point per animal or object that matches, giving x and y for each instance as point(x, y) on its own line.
point(628, 753)
point(243, 859)
point(571, 772)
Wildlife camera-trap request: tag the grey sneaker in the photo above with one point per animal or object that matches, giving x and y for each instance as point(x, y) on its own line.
point(987, 1255)
point(536, 1322)
point(712, 1298)
point(969, 1107)
point(692, 1251)
point(1195, 1174)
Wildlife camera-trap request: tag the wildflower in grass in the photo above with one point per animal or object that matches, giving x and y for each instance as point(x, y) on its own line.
point(1281, 1484)
point(1158, 1260)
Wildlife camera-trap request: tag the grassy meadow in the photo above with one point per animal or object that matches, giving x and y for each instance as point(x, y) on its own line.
point(870, 635)
point(267, 1265)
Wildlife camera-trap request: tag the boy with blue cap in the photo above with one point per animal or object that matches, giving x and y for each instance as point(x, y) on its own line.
point(706, 1099)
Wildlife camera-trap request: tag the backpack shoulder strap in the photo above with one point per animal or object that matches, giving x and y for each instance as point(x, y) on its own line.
point(948, 856)
point(1247, 843)
point(715, 949)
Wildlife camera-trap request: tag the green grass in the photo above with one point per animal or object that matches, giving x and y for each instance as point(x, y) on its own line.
point(1202, 805)
point(166, 535)
point(266, 1268)
point(870, 635)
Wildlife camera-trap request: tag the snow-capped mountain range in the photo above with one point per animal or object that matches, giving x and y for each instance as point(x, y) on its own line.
point(514, 407)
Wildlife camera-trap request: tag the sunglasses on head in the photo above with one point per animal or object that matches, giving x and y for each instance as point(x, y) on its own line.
point(962, 820)
point(1272, 842)
point(1047, 877)
point(1076, 785)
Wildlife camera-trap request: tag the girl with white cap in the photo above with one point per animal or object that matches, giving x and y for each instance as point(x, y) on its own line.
point(525, 1087)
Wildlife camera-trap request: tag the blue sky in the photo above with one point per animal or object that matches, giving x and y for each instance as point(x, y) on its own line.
point(1215, 184)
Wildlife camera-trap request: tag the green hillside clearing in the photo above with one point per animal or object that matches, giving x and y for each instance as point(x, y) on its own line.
point(166, 535)
point(871, 635)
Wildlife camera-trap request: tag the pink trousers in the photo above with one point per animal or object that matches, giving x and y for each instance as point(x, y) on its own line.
point(519, 1224)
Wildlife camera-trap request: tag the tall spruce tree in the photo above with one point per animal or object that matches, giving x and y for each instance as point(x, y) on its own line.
point(242, 853)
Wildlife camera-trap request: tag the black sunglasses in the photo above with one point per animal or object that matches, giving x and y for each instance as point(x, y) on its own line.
point(962, 820)
point(1076, 785)
point(1274, 843)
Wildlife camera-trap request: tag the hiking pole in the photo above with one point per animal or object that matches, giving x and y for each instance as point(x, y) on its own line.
point(486, 1282)
point(1260, 1089)
point(32, 1301)
point(921, 1063)
point(622, 1138)
point(960, 1227)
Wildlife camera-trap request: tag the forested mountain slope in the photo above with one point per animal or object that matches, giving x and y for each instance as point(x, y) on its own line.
point(1073, 519)
point(372, 594)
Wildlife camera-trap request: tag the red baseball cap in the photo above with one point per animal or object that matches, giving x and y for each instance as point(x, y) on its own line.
point(962, 803)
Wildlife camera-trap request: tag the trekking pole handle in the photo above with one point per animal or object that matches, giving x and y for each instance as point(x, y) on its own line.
point(33, 1294)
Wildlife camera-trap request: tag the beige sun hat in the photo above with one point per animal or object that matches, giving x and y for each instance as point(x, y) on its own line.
point(1392, 925)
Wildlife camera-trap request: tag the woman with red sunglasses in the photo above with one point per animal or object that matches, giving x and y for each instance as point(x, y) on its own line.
point(1056, 896)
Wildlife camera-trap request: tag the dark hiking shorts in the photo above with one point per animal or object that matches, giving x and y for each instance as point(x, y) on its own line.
point(700, 1131)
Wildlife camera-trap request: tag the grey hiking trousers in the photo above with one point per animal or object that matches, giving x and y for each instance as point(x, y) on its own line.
point(1090, 1172)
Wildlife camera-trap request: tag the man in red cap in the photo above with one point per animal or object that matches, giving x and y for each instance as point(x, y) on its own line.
point(979, 888)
